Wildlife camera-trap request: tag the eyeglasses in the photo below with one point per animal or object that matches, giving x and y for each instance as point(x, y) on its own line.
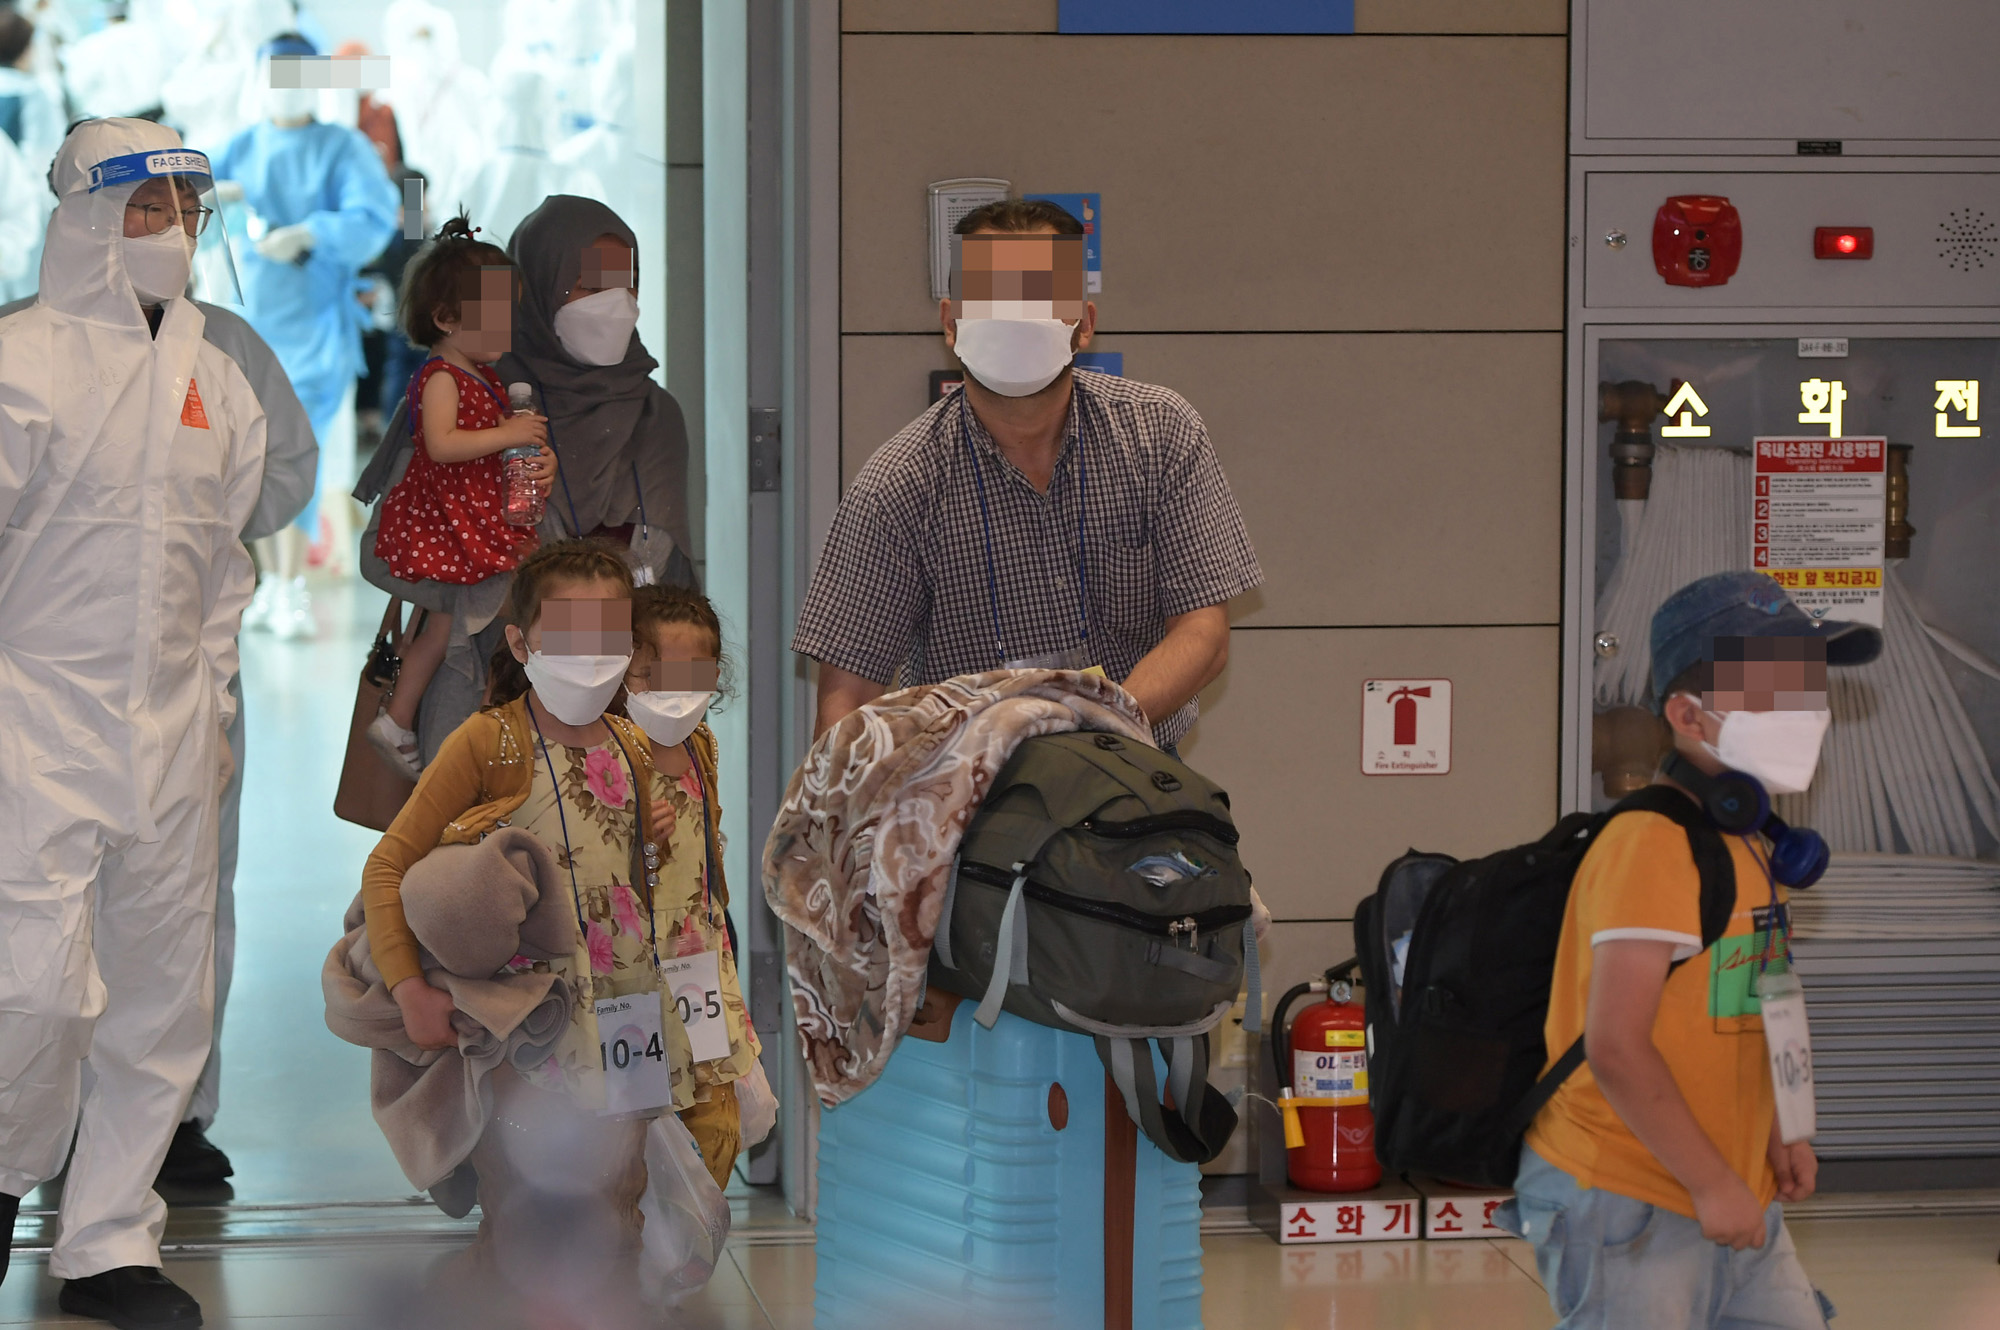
point(160, 216)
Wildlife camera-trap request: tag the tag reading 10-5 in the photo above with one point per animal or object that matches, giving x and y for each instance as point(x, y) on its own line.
point(694, 986)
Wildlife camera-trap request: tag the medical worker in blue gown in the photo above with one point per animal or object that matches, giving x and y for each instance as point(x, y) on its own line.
point(320, 207)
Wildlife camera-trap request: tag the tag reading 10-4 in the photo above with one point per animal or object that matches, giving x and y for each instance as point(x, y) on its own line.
point(637, 1076)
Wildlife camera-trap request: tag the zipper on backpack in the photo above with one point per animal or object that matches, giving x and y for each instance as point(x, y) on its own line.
point(1187, 820)
point(1173, 928)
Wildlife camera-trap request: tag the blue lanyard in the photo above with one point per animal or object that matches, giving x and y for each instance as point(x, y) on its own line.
point(1778, 912)
point(986, 522)
point(562, 820)
point(575, 524)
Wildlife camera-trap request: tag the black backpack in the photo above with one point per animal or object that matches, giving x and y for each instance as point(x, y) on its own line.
point(1098, 890)
point(1457, 1050)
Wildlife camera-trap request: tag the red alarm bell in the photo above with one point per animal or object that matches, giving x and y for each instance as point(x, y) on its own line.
point(1697, 240)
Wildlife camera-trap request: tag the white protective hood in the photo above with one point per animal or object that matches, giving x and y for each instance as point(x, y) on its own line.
point(83, 262)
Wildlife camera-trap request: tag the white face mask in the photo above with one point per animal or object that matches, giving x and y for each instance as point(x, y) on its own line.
point(667, 718)
point(1779, 748)
point(576, 689)
point(283, 104)
point(158, 265)
point(598, 329)
point(1014, 357)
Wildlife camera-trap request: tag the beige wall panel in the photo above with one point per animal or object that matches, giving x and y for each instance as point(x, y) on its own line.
point(884, 385)
point(1249, 184)
point(1385, 478)
point(1508, 16)
point(1295, 952)
point(946, 15)
point(1281, 732)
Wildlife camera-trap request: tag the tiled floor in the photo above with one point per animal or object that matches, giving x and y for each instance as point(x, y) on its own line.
point(1904, 1274)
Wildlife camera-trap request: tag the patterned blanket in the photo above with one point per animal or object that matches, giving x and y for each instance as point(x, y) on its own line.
point(861, 852)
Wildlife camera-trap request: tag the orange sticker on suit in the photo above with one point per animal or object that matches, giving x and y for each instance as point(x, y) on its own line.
point(192, 414)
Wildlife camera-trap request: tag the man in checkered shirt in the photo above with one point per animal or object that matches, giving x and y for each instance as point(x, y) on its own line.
point(1042, 516)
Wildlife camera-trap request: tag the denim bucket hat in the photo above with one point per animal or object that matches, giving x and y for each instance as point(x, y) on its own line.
point(1744, 604)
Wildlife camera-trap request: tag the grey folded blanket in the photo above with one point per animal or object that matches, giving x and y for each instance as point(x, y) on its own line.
point(473, 908)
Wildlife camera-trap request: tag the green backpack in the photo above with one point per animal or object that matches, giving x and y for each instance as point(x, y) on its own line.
point(1098, 890)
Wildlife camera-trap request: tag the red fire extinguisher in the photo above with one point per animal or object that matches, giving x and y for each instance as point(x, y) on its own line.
point(1405, 702)
point(1329, 1131)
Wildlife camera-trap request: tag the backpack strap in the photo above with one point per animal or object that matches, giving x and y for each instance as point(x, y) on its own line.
point(1198, 1125)
point(1718, 902)
point(1010, 957)
point(1253, 976)
point(1711, 853)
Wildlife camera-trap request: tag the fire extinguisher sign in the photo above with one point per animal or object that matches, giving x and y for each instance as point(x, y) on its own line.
point(1405, 727)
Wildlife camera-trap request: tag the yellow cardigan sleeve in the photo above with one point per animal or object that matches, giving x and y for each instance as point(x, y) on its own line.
point(451, 785)
point(707, 752)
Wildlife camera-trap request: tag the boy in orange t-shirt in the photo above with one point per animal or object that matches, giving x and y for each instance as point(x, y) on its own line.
point(1651, 1183)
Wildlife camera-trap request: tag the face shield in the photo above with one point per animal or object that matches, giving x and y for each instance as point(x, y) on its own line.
point(159, 212)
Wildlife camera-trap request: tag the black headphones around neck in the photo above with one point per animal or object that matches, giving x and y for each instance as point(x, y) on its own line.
point(1737, 803)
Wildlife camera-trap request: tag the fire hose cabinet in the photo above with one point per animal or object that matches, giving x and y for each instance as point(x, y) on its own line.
point(1827, 417)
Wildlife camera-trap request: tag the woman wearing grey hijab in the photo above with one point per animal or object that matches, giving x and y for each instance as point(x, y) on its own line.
point(620, 438)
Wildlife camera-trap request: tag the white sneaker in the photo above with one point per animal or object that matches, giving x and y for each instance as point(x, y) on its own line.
point(292, 620)
point(397, 745)
point(263, 603)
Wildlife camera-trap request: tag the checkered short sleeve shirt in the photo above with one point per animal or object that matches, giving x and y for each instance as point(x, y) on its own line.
point(902, 591)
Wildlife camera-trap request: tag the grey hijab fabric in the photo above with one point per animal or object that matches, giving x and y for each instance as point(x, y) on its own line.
point(604, 420)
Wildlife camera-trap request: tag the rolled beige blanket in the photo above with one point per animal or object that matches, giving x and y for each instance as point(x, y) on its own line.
point(473, 908)
point(476, 907)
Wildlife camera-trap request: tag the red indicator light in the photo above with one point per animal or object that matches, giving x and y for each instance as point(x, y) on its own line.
point(1844, 242)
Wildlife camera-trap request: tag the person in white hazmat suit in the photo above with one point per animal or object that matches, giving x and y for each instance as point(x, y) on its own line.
point(444, 107)
point(131, 452)
point(21, 216)
point(513, 182)
point(291, 465)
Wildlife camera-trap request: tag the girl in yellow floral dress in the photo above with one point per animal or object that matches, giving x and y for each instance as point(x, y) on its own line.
point(675, 674)
point(544, 757)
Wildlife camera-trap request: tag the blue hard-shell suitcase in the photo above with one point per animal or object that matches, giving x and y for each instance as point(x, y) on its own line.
point(947, 1197)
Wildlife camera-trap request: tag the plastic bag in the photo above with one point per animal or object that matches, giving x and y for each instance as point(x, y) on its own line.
point(687, 1216)
point(756, 1106)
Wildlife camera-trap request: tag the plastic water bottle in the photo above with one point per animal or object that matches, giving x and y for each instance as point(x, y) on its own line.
point(524, 503)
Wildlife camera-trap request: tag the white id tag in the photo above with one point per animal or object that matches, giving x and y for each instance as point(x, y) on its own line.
point(642, 575)
point(637, 1075)
point(694, 986)
point(1788, 1044)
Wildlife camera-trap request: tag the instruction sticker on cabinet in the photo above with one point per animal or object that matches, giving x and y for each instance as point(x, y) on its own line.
point(1818, 522)
point(1405, 727)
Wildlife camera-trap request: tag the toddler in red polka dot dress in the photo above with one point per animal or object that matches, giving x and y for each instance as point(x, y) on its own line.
point(445, 520)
